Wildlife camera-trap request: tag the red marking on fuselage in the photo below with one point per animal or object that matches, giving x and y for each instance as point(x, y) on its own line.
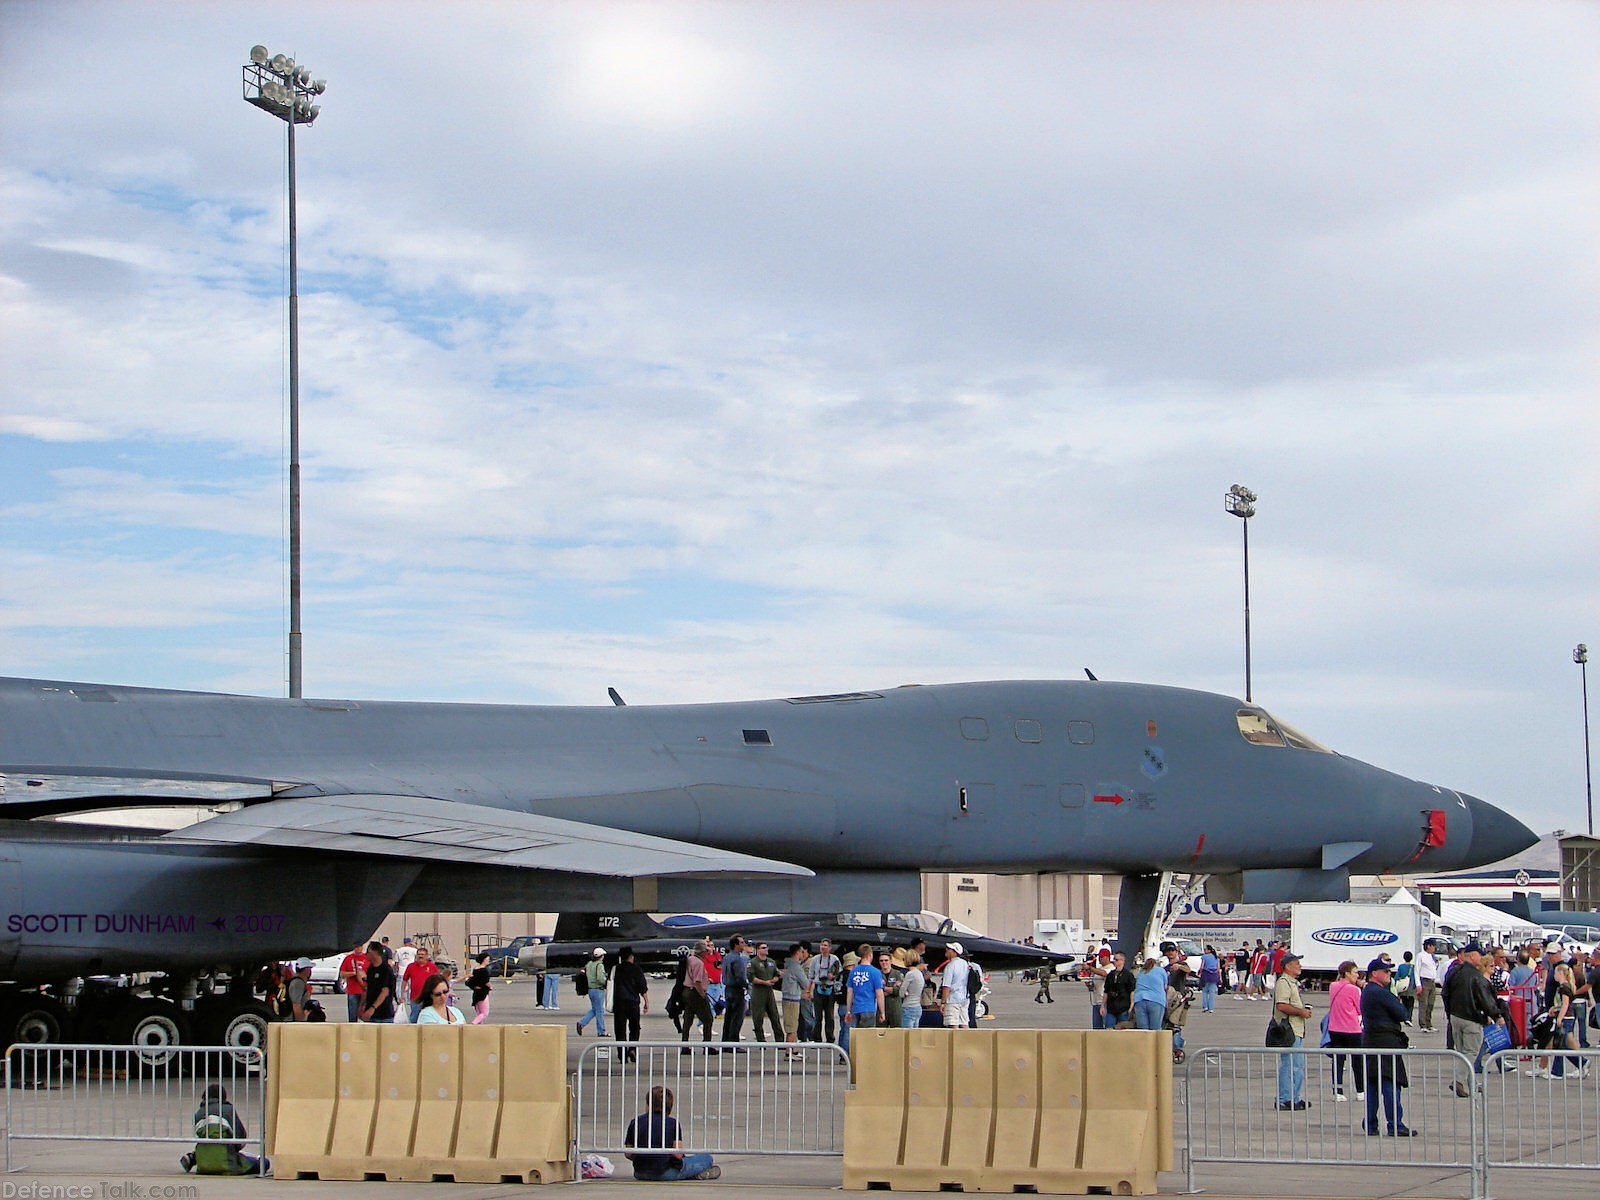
point(1109, 799)
point(1198, 846)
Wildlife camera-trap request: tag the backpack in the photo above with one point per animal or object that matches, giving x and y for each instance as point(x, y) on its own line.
point(1542, 1032)
point(581, 982)
point(974, 980)
point(212, 1125)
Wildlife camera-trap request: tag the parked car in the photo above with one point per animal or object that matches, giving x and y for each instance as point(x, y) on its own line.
point(325, 972)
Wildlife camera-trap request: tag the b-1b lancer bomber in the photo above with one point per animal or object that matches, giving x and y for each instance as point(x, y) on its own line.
point(330, 814)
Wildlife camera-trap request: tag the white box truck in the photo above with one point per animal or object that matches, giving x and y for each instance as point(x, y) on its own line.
point(1064, 937)
point(1325, 934)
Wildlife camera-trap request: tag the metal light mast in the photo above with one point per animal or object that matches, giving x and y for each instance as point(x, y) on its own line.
point(1241, 502)
point(275, 84)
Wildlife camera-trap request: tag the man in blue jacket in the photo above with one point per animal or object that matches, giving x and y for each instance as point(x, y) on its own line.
point(1383, 1019)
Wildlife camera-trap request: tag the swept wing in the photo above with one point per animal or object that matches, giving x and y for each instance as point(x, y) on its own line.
point(423, 828)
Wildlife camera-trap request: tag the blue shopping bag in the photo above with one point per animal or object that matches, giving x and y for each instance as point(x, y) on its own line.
point(1495, 1039)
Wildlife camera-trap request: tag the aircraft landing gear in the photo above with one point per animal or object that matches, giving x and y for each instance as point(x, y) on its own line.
point(158, 1027)
point(31, 1018)
point(236, 1021)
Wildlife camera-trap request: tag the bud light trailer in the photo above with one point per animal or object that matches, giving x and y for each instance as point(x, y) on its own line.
point(1327, 934)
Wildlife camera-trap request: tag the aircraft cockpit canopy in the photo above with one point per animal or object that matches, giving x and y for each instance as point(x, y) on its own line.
point(920, 922)
point(1260, 728)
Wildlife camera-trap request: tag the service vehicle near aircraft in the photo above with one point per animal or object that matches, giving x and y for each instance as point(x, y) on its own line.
point(329, 814)
point(507, 959)
point(1325, 935)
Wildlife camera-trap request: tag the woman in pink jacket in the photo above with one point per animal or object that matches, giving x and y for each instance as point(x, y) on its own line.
point(1344, 1026)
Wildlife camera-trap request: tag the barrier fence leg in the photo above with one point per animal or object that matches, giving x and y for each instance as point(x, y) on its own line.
point(1480, 1143)
point(576, 1084)
point(1188, 1135)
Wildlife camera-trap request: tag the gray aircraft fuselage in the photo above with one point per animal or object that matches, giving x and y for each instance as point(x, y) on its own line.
point(998, 777)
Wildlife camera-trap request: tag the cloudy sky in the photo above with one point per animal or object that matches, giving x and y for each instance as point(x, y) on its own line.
point(719, 351)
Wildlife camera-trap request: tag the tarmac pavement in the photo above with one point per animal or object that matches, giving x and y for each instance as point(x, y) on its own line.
point(144, 1171)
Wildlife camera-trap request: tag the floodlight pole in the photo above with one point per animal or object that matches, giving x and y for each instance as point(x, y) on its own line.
point(1241, 502)
point(1581, 657)
point(276, 85)
point(294, 432)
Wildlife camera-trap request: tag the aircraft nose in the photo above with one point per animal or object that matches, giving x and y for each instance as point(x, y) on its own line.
point(1496, 834)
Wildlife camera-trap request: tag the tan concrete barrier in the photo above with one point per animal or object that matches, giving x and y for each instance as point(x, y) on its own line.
point(996, 1110)
point(474, 1104)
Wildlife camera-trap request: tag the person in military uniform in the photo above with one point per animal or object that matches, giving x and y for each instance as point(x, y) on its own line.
point(765, 980)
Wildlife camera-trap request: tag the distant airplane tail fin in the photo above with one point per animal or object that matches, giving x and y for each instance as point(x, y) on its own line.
point(606, 927)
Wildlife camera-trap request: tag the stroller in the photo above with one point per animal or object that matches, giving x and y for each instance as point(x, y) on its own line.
point(1179, 996)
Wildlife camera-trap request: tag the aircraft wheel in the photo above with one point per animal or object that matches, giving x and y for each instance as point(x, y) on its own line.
point(982, 1009)
point(157, 1027)
point(31, 1019)
point(237, 1023)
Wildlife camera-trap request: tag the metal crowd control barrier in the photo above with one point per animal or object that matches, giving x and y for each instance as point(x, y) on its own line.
point(1231, 1113)
point(125, 1094)
point(729, 1098)
point(1534, 1120)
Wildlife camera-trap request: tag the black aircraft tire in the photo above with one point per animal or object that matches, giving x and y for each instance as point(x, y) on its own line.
point(158, 1027)
point(32, 1020)
point(236, 1022)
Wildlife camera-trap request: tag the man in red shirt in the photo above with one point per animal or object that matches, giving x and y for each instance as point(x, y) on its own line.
point(353, 976)
point(418, 973)
point(1279, 953)
point(696, 1003)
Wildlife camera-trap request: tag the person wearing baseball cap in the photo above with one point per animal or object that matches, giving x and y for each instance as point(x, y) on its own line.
point(299, 990)
point(953, 987)
point(1471, 1006)
point(1383, 1028)
point(594, 975)
point(1288, 1003)
point(1427, 984)
point(1094, 974)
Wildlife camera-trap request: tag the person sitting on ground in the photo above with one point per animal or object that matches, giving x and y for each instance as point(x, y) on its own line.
point(220, 1133)
point(436, 1006)
point(656, 1145)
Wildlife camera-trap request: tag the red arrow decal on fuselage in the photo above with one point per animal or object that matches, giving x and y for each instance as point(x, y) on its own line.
point(1109, 799)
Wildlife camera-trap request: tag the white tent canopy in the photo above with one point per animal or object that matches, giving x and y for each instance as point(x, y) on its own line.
point(1463, 916)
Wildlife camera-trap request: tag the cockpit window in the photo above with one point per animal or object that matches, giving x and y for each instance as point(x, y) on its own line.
point(1300, 741)
point(1259, 729)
